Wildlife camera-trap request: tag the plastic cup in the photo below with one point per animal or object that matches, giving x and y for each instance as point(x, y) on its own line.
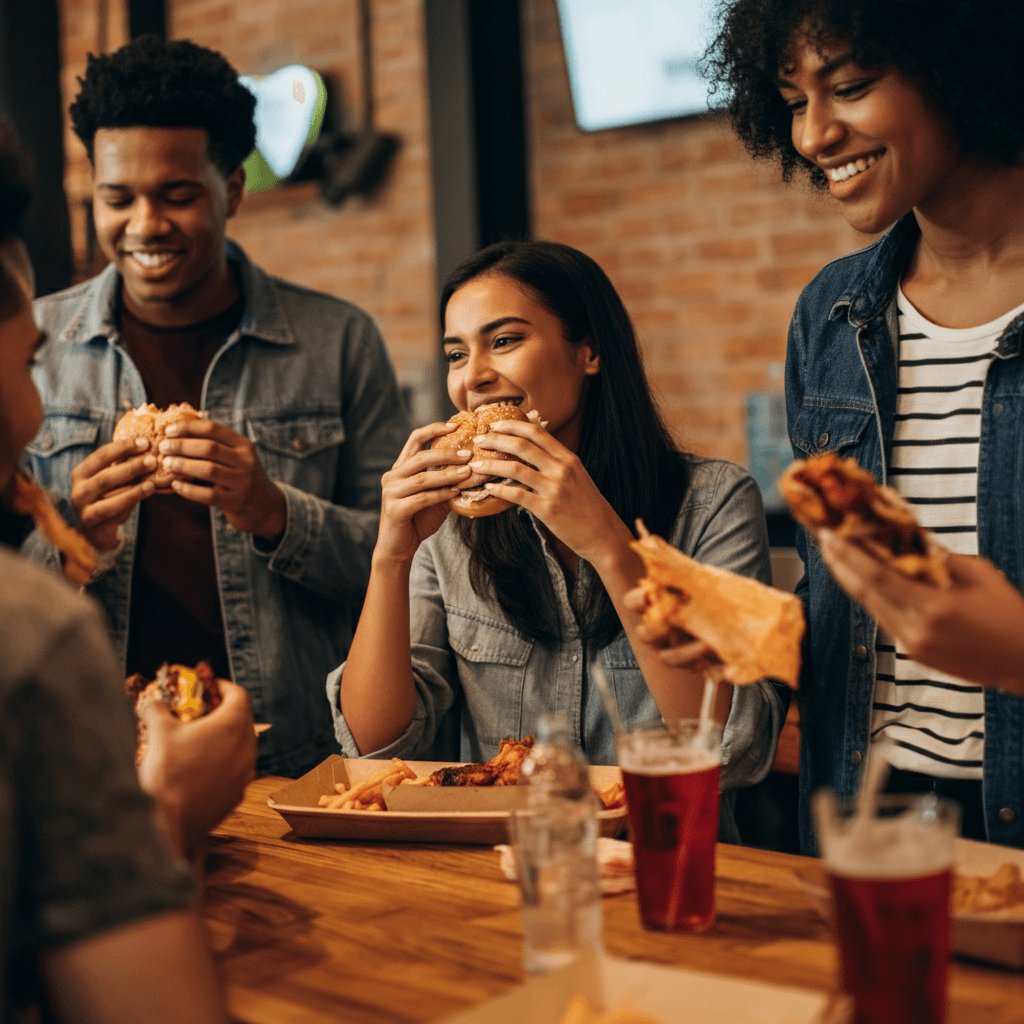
point(890, 872)
point(671, 780)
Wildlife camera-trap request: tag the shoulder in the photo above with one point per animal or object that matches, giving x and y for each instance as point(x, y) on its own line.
point(714, 482)
point(56, 311)
point(38, 611)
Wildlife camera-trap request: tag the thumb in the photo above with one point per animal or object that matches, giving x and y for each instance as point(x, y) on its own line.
point(155, 714)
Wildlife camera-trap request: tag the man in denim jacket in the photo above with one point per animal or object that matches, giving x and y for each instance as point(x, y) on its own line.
point(257, 555)
point(841, 397)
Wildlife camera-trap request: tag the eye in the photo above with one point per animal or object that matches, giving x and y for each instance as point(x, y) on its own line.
point(117, 202)
point(853, 90)
point(453, 355)
point(505, 339)
point(180, 198)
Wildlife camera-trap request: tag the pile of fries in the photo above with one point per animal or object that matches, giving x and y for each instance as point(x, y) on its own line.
point(367, 794)
point(581, 1011)
point(1000, 891)
point(613, 796)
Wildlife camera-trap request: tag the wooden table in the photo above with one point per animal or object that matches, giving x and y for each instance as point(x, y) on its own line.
point(318, 931)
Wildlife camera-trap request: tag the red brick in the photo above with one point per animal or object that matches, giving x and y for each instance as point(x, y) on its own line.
point(799, 243)
point(729, 249)
point(592, 202)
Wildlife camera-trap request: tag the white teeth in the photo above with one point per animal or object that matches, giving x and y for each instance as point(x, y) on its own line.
point(153, 259)
point(853, 168)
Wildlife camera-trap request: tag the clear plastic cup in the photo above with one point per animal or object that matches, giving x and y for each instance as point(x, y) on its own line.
point(671, 778)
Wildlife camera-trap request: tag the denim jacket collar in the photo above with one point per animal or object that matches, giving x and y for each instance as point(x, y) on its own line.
point(263, 317)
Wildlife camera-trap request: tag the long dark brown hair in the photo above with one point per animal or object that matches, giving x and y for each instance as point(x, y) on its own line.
point(625, 445)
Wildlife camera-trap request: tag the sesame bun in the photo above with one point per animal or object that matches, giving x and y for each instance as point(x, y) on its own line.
point(474, 501)
point(151, 423)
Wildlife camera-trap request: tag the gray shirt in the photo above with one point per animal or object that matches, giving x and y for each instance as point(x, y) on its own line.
point(478, 679)
point(79, 851)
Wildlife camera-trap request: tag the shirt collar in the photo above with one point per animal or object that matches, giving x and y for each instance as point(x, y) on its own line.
point(263, 316)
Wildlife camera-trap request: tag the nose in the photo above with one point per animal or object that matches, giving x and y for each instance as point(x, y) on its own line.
point(147, 219)
point(818, 130)
point(479, 369)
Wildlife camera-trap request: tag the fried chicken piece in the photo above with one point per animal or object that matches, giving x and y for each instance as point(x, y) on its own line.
point(80, 557)
point(826, 491)
point(501, 770)
point(754, 630)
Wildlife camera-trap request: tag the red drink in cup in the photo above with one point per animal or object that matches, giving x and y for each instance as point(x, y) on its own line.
point(671, 781)
point(891, 877)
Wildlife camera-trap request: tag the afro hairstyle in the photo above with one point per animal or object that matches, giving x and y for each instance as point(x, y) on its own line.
point(15, 196)
point(178, 84)
point(965, 56)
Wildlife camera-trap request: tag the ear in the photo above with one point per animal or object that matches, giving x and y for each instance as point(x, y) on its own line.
point(591, 360)
point(236, 189)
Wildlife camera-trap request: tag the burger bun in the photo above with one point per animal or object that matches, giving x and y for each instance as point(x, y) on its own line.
point(151, 423)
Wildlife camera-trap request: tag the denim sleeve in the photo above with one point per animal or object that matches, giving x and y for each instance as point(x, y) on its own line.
point(327, 545)
point(434, 672)
point(731, 533)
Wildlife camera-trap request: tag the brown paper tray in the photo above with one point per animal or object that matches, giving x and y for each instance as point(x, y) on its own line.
point(468, 818)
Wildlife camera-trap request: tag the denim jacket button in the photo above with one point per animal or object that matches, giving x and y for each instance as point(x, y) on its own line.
point(997, 409)
point(1007, 815)
point(861, 653)
point(856, 757)
point(823, 440)
point(300, 444)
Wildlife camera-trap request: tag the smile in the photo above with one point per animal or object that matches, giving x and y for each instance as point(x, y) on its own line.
point(153, 260)
point(852, 169)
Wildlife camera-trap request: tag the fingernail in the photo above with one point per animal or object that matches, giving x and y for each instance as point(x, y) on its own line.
point(164, 446)
point(462, 470)
point(475, 465)
point(141, 442)
point(149, 461)
point(479, 438)
point(463, 453)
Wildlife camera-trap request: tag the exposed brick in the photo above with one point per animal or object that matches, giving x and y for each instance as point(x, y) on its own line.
point(729, 249)
point(799, 243)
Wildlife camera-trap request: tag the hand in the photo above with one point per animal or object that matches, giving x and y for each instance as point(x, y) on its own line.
point(973, 629)
point(197, 771)
point(416, 492)
point(107, 485)
point(692, 653)
point(561, 493)
point(215, 466)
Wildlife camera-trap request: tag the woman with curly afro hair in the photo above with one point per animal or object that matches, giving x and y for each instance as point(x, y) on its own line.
point(908, 357)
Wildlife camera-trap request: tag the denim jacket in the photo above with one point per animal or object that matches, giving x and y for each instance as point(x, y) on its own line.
point(467, 658)
point(307, 379)
point(841, 374)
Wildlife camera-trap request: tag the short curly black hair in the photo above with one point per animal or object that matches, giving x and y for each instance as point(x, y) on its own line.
point(177, 84)
point(966, 55)
point(15, 195)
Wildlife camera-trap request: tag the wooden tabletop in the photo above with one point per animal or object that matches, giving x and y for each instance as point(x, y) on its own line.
point(318, 931)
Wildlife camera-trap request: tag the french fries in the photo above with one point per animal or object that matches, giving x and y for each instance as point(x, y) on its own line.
point(1000, 891)
point(613, 796)
point(367, 794)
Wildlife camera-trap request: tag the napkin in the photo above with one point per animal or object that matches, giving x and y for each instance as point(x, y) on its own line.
point(614, 865)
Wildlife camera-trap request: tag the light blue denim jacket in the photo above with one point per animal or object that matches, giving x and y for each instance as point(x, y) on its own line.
point(841, 373)
point(469, 661)
point(307, 379)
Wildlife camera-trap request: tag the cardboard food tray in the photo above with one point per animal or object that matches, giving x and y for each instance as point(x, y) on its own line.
point(670, 995)
point(431, 814)
point(997, 936)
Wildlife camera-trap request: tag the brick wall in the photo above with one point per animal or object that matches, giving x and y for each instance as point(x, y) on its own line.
point(376, 251)
point(708, 250)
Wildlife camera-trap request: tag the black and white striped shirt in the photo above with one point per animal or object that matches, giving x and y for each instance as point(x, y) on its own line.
point(938, 721)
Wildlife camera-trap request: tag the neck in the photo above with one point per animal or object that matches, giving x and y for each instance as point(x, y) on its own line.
point(218, 290)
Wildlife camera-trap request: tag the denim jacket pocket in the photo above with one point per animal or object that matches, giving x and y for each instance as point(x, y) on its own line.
point(61, 444)
point(823, 428)
point(493, 659)
point(636, 705)
point(302, 450)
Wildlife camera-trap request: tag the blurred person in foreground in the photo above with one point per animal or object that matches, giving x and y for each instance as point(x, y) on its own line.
point(906, 356)
point(258, 559)
point(96, 922)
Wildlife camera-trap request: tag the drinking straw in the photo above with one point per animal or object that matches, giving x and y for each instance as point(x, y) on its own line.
point(872, 782)
point(604, 687)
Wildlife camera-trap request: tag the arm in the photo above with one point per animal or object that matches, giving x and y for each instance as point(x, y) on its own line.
point(565, 499)
point(378, 693)
point(974, 629)
point(157, 970)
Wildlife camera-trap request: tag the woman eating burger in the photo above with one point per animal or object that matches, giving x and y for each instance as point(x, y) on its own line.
point(480, 623)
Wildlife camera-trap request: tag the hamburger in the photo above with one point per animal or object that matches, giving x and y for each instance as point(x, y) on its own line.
point(474, 500)
point(151, 423)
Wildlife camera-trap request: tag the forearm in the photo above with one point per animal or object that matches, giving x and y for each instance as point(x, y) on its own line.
point(378, 695)
point(678, 692)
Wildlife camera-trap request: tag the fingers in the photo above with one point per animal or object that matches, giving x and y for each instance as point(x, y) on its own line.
point(868, 581)
point(107, 454)
point(635, 600)
point(421, 437)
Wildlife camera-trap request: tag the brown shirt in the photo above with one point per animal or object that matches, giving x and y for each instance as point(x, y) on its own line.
point(175, 607)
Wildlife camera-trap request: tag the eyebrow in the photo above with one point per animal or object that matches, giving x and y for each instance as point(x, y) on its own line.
point(492, 326)
point(164, 185)
point(826, 69)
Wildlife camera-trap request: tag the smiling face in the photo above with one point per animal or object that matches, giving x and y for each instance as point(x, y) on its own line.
point(160, 206)
point(883, 147)
point(503, 345)
point(21, 411)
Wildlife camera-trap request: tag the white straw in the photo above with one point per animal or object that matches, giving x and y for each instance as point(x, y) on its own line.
point(876, 771)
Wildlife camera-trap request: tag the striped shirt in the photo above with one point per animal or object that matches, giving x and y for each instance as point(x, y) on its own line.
point(937, 720)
